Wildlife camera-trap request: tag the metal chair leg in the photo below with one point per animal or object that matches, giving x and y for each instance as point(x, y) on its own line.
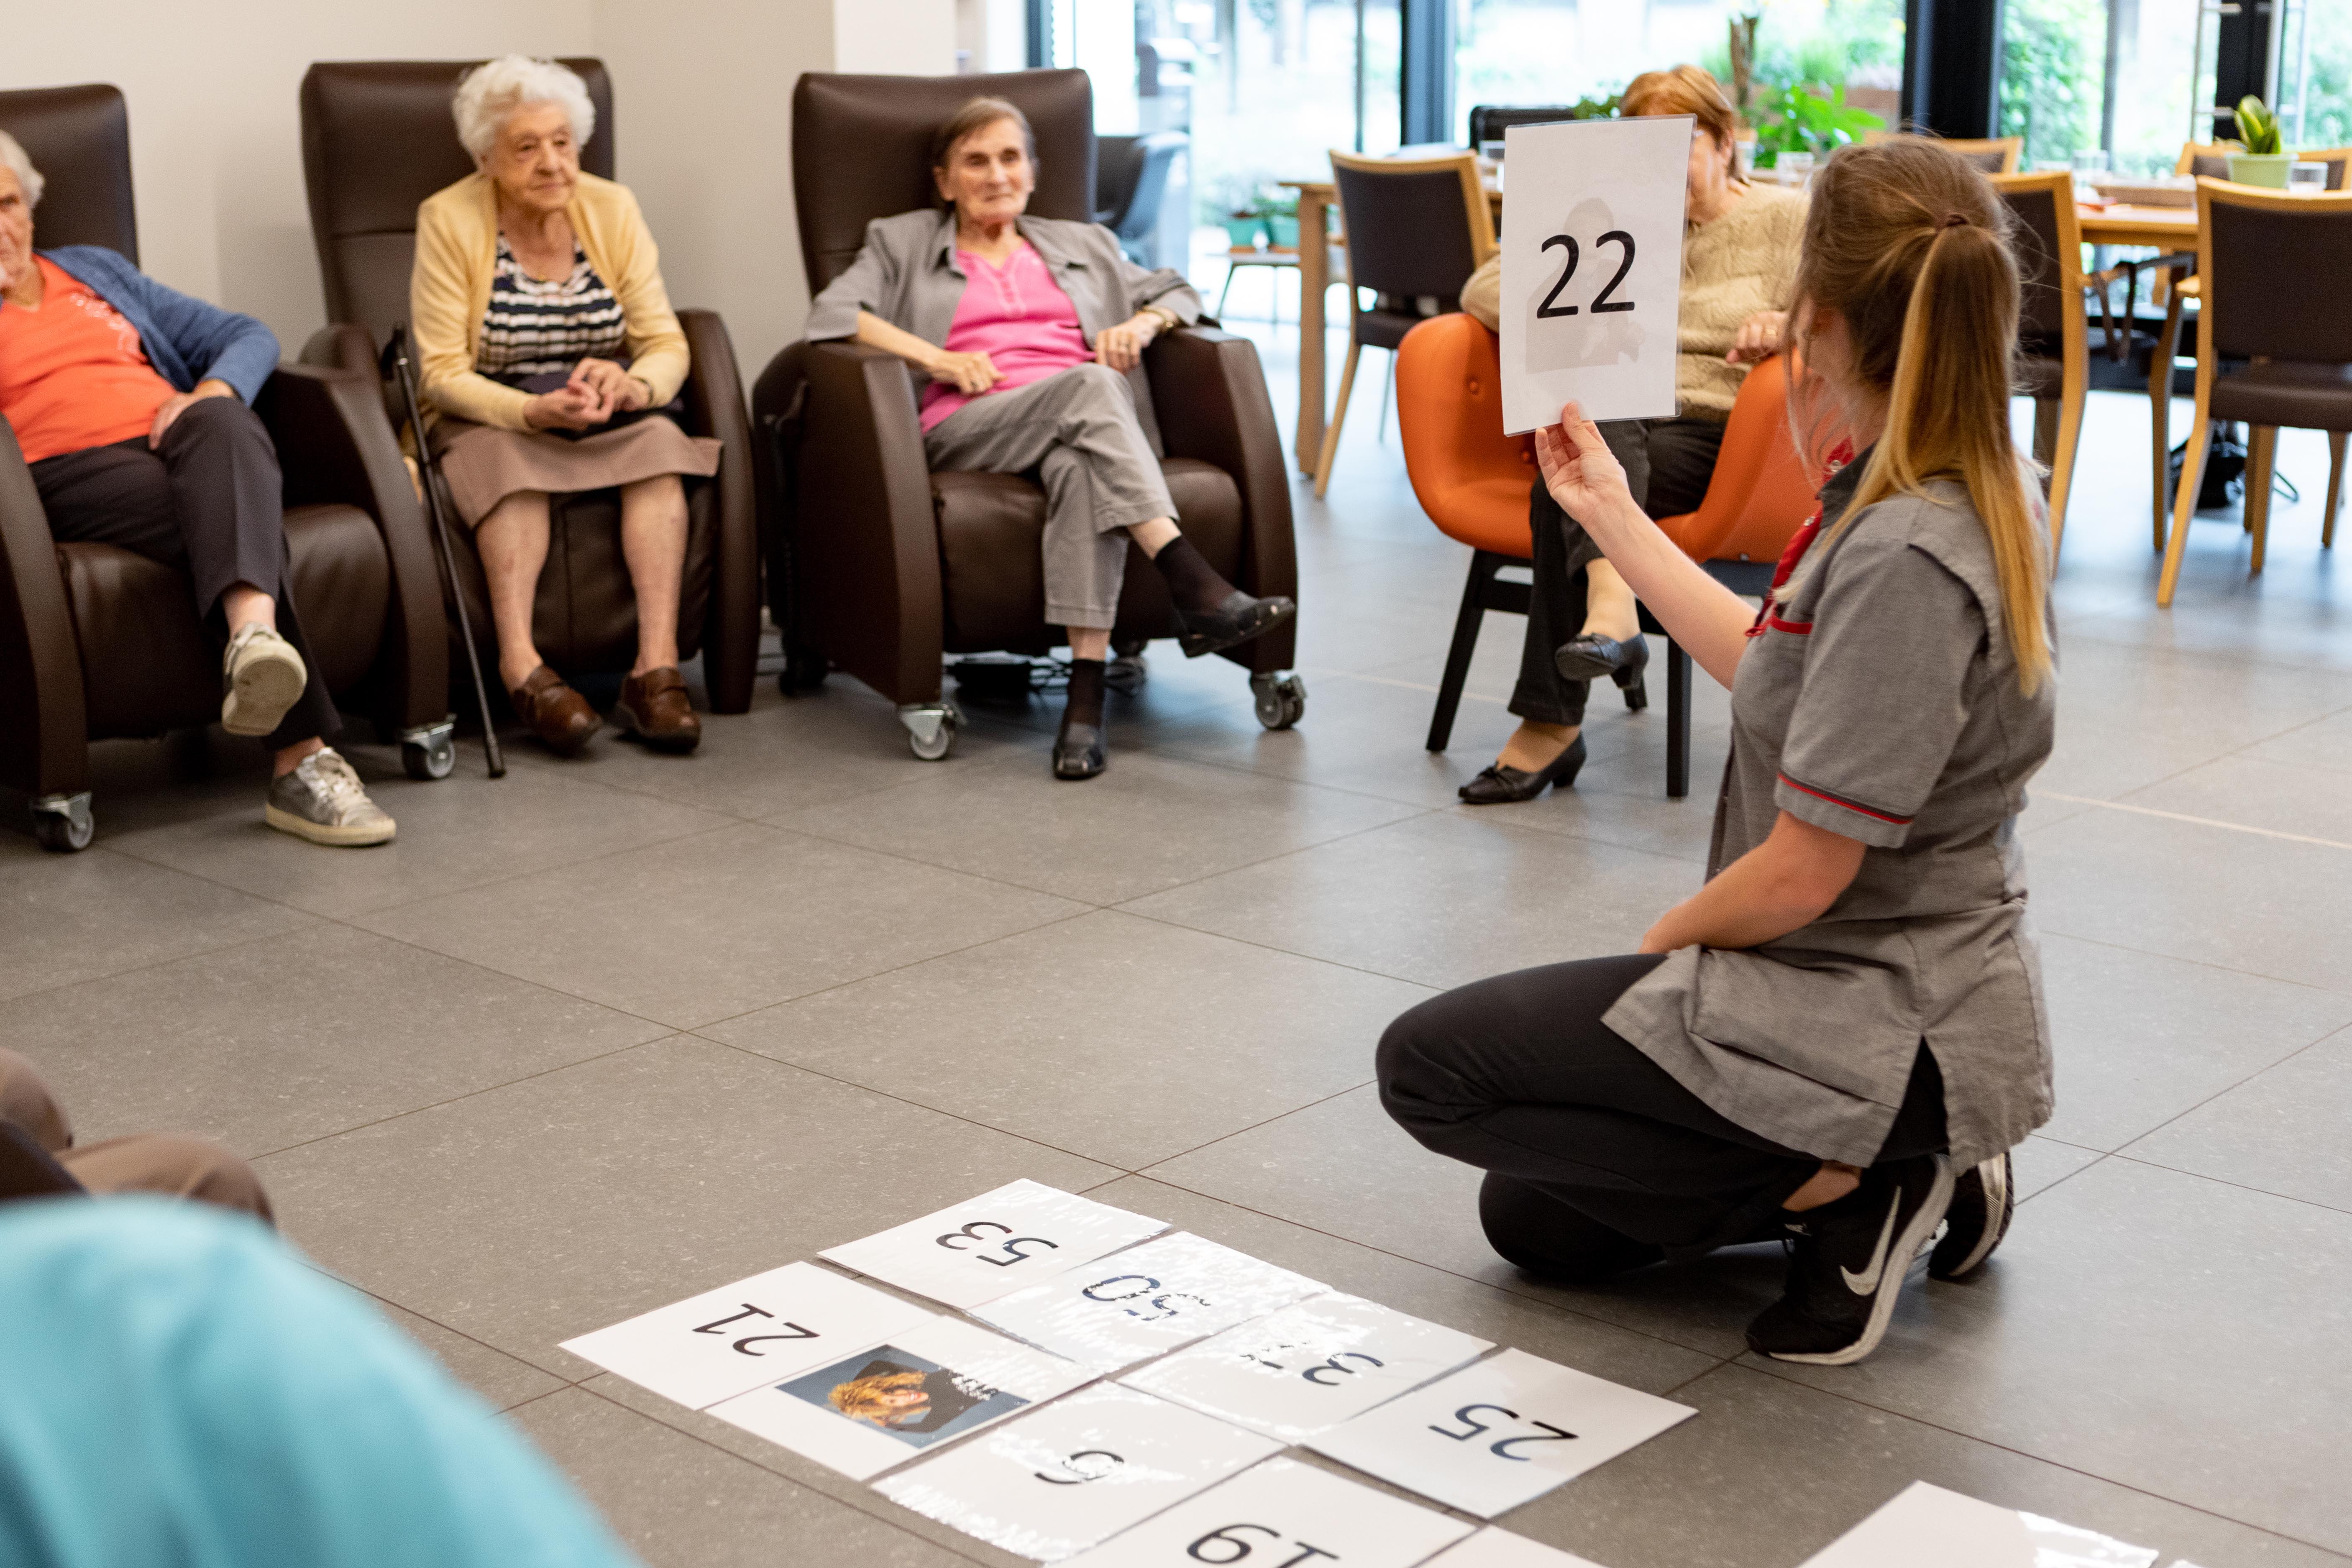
point(1483, 568)
point(1678, 707)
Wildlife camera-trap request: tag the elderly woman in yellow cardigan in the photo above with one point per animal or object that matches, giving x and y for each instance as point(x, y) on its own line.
point(551, 353)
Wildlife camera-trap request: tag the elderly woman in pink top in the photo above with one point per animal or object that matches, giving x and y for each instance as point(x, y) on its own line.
point(1031, 331)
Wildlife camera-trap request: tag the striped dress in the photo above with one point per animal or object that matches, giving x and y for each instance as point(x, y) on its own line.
point(533, 327)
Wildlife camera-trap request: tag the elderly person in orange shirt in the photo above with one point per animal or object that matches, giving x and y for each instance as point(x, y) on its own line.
point(129, 402)
point(550, 355)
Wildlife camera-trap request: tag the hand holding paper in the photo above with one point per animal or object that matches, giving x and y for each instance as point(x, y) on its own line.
point(1583, 474)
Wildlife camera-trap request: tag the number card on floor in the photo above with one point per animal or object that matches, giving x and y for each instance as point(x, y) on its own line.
point(887, 1403)
point(1497, 1434)
point(1492, 1548)
point(1592, 247)
point(1284, 1514)
point(1308, 1367)
point(1927, 1527)
point(772, 1326)
point(1062, 1479)
point(993, 1244)
point(1146, 1302)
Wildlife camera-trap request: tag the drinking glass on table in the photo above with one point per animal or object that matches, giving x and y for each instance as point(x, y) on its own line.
point(1794, 168)
point(2306, 179)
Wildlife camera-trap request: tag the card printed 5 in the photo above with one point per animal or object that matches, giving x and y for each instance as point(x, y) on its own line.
point(774, 1325)
point(1308, 1367)
point(1145, 1302)
point(988, 1245)
point(1283, 1514)
point(1057, 1480)
point(1499, 1433)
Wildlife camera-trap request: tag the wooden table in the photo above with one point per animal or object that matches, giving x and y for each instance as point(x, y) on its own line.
point(1317, 199)
point(2167, 228)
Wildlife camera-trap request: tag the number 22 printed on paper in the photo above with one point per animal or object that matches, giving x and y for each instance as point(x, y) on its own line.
point(1592, 237)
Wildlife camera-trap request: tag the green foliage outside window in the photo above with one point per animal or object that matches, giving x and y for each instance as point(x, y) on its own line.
point(2052, 61)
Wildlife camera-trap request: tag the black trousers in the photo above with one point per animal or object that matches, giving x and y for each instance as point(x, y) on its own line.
point(1668, 463)
point(1593, 1151)
point(209, 502)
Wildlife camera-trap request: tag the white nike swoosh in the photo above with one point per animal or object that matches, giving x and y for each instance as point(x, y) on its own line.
point(1866, 1282)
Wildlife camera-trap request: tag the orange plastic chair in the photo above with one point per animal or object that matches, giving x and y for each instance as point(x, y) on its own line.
point(1473, 482)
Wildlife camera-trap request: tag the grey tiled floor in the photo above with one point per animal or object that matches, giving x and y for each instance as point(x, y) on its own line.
point(614, 1031)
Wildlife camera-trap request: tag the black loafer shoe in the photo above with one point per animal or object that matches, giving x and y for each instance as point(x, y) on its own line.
point(1233, 622)
point(1497, 784)
point(1591, 657)
point(1079, 752)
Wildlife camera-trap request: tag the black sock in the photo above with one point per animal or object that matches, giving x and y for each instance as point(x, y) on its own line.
point(1191, 581)
point(1085, 702)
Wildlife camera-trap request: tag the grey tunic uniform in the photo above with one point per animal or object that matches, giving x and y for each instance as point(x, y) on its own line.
point(1880, 701)
point(1087, 432)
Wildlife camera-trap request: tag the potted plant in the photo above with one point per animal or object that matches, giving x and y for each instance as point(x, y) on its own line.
point(2262, 163)
point(1279, 211)
point(1809, 116)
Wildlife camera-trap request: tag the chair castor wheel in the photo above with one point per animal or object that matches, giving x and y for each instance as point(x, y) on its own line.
point(1281, 699)
point(431, 753)
point(804, 671)
point(62, 824)
point(931, 729)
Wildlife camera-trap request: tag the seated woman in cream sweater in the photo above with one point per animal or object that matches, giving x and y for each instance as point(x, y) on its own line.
point(1739, 260)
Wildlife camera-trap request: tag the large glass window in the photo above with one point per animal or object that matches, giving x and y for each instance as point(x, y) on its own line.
point(2130, 76)
point(2315, 75)
point(1559, 51)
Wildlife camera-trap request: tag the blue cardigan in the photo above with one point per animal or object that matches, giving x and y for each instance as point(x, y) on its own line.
point(187, 340)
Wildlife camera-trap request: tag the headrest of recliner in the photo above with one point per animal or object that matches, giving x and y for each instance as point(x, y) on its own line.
point(862, 146)
point(79, 139)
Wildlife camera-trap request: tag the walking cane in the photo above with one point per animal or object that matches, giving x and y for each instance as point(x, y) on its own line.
point(396, 363)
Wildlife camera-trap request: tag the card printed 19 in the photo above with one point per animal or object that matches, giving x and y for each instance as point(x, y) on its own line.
point(993, 1244)
point(1283, 1514)
point(1499, 1433)
point(770, 1327)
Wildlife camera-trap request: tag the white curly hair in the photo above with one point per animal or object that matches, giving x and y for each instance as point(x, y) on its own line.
point(12, 154)
point(488, 93)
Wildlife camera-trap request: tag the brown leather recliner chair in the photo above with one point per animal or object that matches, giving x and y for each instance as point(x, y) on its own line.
point(897, 564)
point(97, 643)
point(377, 139)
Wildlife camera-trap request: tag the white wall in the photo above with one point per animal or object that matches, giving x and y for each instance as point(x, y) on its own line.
point(702, 90)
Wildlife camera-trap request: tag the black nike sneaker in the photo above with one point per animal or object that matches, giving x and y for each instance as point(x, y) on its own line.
point(1984, 1197)
point(1848, 1263)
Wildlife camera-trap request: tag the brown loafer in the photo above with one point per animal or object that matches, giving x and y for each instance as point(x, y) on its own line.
point(556, 715)
point(654, 708)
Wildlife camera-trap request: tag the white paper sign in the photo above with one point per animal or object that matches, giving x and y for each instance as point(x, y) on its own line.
point(995, 1243)
point(1927, 1527)
point(1492, 1548)
point(886, 1403)
point(1283, 1512)
point(1148, 1300)
point(1053, 1483)
point(772, 1326)
point(1308, 1367)
point(1593, 249)
point(1497, 1434)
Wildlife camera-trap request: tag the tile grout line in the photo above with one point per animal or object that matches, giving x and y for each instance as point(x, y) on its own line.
point(2183, 816)
point(1765, 1366)
point(2226, 1182)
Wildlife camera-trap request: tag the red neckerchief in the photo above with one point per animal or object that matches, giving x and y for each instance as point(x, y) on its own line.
point(1799, 543)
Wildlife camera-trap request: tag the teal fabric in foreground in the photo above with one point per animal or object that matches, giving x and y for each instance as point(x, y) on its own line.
point(177, 1388)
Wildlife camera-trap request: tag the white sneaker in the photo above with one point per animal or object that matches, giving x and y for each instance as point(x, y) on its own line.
point(323, 801)
point(261, 677)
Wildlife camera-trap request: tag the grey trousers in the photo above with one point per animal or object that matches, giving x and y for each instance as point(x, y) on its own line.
point(1078, 428)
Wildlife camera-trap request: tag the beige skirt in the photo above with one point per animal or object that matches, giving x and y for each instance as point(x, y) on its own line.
point(484, 463)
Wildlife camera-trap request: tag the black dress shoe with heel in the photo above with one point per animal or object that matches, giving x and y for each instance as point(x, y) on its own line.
point(1237, 618)
point(1587, 656)
point(1500, 784)
point(1079, 752)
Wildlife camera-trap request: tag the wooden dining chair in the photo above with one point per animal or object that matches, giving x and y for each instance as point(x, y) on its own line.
point(2206, 160)
point(1417, 228)
point(1993, 154)
point(2287, 334)
point(2054, 331)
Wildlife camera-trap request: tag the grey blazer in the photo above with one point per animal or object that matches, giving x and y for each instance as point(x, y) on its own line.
point(907, 274)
